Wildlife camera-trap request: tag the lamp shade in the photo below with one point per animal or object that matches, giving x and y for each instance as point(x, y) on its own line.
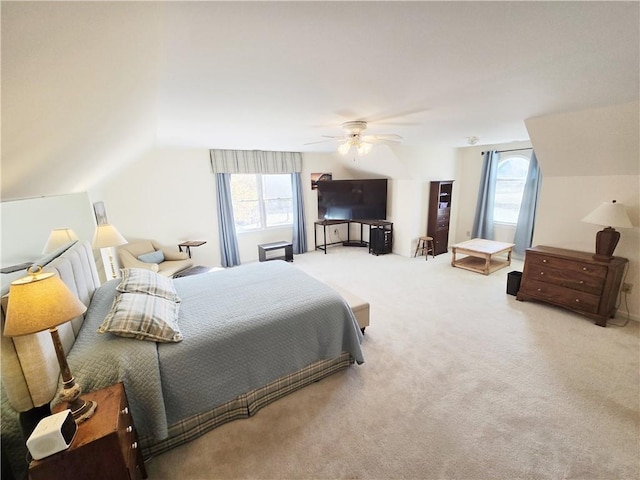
point(106, 235)
point(344, 148)
point(38, 302)
point(361, 147)
point(58, 238)
point(609, 214)
point(364, 148)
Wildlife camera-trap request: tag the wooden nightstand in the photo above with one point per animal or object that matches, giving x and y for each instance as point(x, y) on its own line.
point(105, 446)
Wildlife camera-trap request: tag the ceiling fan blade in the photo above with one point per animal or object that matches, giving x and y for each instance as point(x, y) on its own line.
point(383, 137)
point(382, 117)
point(329, 139)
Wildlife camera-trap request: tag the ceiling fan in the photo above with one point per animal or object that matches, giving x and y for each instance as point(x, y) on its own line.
point(355, 139)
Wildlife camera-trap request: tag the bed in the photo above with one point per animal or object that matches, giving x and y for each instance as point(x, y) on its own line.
point(248, 336)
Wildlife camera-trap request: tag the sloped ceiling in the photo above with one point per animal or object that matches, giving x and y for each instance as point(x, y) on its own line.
point(88, 86)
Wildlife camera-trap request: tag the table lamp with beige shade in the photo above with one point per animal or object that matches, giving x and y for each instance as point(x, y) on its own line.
point(610, 215)
point(58, 238)
point(107, 236)
point(42, 301)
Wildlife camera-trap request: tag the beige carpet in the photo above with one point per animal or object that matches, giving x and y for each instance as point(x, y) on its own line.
point(461, 381)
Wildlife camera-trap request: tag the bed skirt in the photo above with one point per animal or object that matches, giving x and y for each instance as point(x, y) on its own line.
point(244, 406)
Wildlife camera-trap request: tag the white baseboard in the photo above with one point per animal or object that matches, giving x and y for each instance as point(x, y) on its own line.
point(621, 314)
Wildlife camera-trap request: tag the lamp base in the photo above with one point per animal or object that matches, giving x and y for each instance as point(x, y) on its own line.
point(113, 269)
point(85, 412)
point(606, 242)
point(81, 409)
point(70, 393)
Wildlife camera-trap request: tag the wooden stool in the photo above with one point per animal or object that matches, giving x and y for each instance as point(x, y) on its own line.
point(425, 245)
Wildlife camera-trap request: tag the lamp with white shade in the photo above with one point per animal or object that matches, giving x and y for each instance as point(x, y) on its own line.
point(58, 238)
point(610, 215)
point(41, 301)
point(107, 236)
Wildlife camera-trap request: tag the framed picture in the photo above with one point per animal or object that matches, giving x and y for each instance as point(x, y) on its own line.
point(101, 213)
point(319, 177)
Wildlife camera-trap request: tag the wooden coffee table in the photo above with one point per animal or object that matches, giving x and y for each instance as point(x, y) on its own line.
point(481, 255)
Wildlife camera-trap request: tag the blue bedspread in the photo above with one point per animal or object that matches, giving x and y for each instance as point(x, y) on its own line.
point(243, 328)
point(99, 360)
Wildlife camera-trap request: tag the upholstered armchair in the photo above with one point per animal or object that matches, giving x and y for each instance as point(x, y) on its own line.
point(152, 256)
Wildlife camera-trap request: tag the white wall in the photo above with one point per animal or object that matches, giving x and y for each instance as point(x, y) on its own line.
point(26, 224)
point(423, 165)
point(78, 102)
point(409, 171)
point(168, 195)
point(468, 171)
point(589, 157)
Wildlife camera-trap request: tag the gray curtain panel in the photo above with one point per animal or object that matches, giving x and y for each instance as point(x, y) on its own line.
point(229, 252)
point(527, 215)
point(299, 227)
point(483, 221)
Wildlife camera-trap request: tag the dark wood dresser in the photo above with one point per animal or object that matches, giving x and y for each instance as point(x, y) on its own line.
point(573, 280)
point(105, 446)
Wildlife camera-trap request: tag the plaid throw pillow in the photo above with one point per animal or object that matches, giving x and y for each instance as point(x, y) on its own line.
point(144, 317)
point(140, 280)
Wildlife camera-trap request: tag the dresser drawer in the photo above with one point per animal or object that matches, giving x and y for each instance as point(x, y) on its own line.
point(583, 282)
point(103, 447)
point(567, 297)
point(127, 437)
point(574, 280)
point(571, 266)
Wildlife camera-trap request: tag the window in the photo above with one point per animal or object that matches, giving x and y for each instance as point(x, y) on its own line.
point(261, 201)
point(510, 180)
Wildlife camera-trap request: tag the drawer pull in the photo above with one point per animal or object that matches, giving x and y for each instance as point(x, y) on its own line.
point(129, 429)
point(541, 273)
point(584, 269)
point(577, 300)
point(124, 411)
point(581, 282)
point(544, 261)
point(539, 289)
point(134, 445)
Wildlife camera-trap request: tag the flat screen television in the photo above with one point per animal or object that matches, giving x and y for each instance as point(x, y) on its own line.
point(352, 199)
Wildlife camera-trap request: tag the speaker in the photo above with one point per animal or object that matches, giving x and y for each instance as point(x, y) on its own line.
point(52, 435)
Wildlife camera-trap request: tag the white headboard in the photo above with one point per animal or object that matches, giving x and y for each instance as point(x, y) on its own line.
point(30, 370)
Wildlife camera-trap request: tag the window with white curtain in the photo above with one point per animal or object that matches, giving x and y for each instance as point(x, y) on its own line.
point(510, 181)
point(261, 201)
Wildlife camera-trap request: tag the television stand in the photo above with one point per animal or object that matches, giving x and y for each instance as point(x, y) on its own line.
point(355, 243)
point(380, 235)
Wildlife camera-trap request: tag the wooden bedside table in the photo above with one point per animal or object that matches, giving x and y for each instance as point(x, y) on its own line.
point(105, 446)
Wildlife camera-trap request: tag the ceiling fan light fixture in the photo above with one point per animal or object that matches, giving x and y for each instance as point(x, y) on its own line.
point(344, 148)
point(363, 148)
point(354, 138)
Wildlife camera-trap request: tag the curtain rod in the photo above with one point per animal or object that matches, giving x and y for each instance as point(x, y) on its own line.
point(512, 150)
